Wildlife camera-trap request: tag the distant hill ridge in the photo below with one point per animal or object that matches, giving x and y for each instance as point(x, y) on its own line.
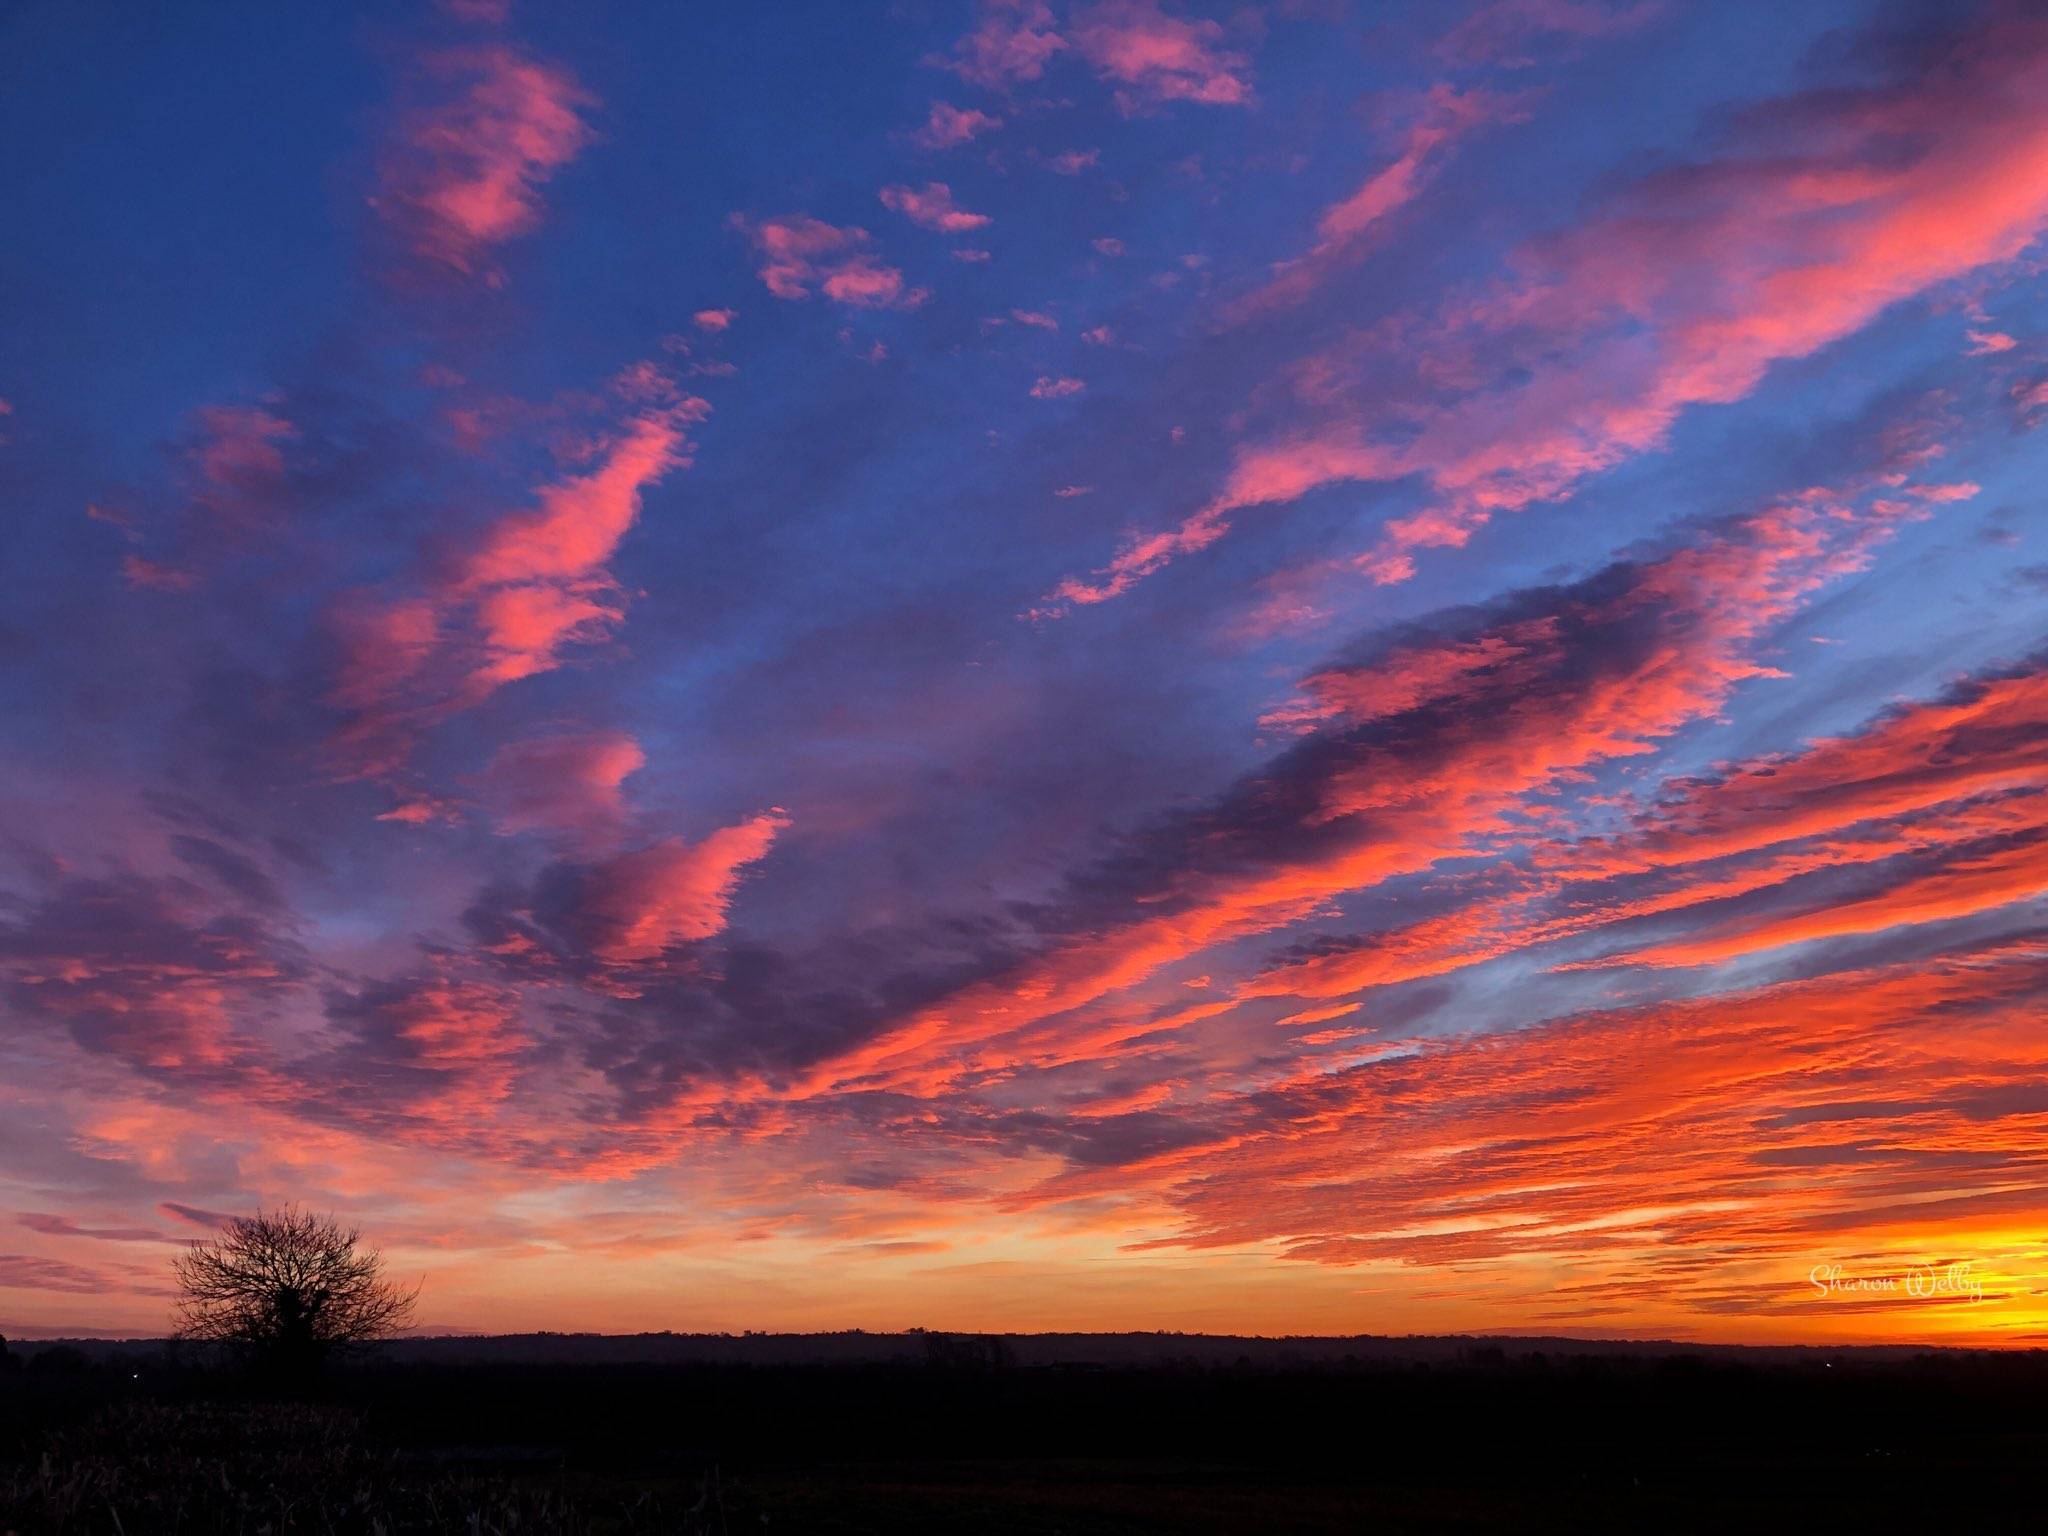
point(857, 1347)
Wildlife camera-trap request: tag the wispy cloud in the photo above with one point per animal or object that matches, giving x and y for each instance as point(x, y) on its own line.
point(948, 126)
point(463, 173)
point(1514, 34)
point(1682, 291)
point(1157, 56)
point(1013, 41)
point(533, 584)
point(802, 257)
point(932, 206)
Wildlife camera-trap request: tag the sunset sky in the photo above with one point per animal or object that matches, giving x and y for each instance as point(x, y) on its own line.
point(1267, 666)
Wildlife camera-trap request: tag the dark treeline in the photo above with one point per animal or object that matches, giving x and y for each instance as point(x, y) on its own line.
point(1424, 1433)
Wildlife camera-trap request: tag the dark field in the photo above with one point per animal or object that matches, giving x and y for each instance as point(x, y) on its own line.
point(1130, 1434)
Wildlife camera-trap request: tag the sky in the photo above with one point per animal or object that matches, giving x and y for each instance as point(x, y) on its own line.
point(1314, 666)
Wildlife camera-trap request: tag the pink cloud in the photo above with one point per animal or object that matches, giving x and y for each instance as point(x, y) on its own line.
point(714, 319)
point(1987, 343)
point(379, 645)
point(533, 583)
point(1347, 228)
point(464, 173)
point(674, 892)
point(932, 207)
point(867, 287)
point(580, 520)
point(1514, 709)
point(949, 126)
point(537, 579)
point(1158, 57)
point(1937, 808)
point(1684, 291)
point(801, 256)
point(1035, 318)
point(236, 476)
point(1277, 472)
point(463, 1037)
point(238, 461)
point(194, 1214)
point(1073, 162)
point(1514, 34)
point(465, 1033)
point(31, 1272)
point(1048, 388)
point(1109, 245)
point(155, 576)
point(525, 628)
point(52, 1225)
point(239, 447)
point(566, 783)
point(1014, 41)
point(419, 810)
point(170, 976)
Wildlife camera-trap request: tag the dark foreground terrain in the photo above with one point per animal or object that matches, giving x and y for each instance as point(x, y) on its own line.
point(927, 1433)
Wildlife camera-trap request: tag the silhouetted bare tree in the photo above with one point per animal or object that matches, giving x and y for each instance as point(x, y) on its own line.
point(289, 1287)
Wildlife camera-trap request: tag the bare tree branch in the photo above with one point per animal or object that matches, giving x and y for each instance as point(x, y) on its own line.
point(290, 1285)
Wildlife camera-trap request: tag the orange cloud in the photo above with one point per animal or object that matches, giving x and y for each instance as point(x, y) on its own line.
point(1939, 808)
point(1973, 878)
point(448, 1050)
point(156, 973)
point(1704, 1153)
